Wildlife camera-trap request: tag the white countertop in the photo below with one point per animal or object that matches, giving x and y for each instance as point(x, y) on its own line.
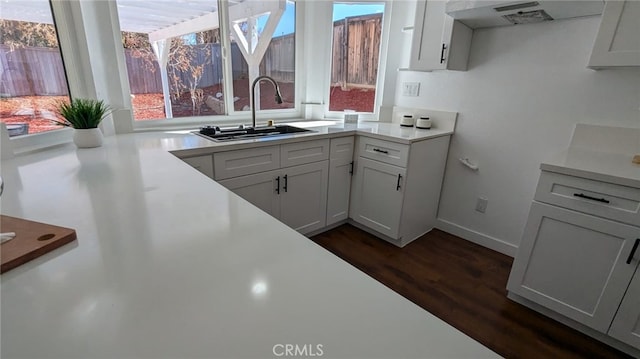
point(321, 129)
point(169, 264)
point(609, 167)
point(601, 153)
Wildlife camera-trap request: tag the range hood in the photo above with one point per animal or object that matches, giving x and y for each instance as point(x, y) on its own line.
point(490, 13)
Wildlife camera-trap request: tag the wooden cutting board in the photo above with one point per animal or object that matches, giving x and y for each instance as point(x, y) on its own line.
point(32, 240)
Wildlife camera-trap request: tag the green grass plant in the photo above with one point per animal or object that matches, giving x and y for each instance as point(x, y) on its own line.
point(82, 113)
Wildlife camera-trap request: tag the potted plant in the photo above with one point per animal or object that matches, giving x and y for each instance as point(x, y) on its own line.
point(84, 115)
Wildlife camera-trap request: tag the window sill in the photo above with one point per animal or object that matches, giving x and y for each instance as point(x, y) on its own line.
point(38, 141)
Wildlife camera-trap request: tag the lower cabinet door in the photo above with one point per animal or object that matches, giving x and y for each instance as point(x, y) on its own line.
point(203, 164)
point(303, 196)
point(260, 189)
point(376, 196)
point(626, 324)
point(574, 264)
point(340, 171)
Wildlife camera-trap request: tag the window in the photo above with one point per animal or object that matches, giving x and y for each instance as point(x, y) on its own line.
point(32, 74)
point(263, 43)
point(193, 70)
point(357, 35)
point(175, 62)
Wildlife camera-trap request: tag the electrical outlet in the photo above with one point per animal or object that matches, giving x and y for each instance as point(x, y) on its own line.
point(481, 204)
point(410, 89)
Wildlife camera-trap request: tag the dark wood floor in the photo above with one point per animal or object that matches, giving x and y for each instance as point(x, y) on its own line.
point(464, 285)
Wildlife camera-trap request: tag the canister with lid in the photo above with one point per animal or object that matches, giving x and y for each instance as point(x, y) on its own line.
point(424, 122)
point(406, 121)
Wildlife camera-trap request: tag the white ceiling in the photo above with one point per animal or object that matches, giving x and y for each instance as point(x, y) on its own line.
point(135, 15)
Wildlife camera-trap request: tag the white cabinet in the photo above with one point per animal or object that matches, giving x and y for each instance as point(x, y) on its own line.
point(626, 325)
point(298, 153)
point(340, 173)
point(396, 187)
point(303, 196)
point(203, 164)
point(574, 264)
point(236, 163)
point(377, 196)
point(296, 195)
point(439, 42)
point(602, 199)
point(579, 256)
point(618, 39)
point(261, 189)
point(287, 181)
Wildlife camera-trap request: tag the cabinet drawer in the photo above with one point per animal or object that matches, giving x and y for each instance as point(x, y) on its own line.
point(203, 164)
point(341, 148)
point(602, 199)
point(243, 162)
point(299, 153)
point(388, 152)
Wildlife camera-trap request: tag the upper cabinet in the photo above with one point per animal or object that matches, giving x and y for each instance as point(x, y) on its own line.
point(618, 40)
point(439, 42)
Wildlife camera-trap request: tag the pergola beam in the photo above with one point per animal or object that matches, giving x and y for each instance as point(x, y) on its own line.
point(161, 50)
point(210, 21)
point(253, 46)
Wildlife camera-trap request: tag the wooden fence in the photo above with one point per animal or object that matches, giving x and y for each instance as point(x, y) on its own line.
point(39, 71)
point(278, 61)
point(356, 49)
point(31, 71)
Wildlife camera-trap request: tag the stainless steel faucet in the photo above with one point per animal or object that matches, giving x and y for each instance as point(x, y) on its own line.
point(253, 95)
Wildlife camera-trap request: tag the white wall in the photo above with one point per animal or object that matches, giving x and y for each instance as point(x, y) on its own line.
point(526, 88)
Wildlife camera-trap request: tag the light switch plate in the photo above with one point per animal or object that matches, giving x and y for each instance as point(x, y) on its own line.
point(481, 204)
point(410, 89)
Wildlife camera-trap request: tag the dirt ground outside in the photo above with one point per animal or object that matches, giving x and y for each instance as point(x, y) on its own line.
point(37, 111)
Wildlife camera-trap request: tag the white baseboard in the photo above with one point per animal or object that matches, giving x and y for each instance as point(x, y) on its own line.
point(484, 240)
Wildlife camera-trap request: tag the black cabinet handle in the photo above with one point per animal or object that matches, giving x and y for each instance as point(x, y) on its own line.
point(286, 181)
point(582, 195)
point(351, 170)
point(381, 151)
point(398, 184)
point(278, 185)
point(633, 250)
point(444, 47)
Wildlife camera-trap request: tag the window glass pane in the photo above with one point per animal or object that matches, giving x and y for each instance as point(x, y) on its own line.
point(173, 58)
point(254, 53)
point(32, 76)
point(357, 33)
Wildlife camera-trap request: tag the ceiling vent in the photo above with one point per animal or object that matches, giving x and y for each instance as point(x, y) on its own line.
point(488, 13)
point(528, 17)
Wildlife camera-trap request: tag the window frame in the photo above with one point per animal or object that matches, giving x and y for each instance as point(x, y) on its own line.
point(64, 21)
point(311, 86)
point(382, 63)
point(234, 117)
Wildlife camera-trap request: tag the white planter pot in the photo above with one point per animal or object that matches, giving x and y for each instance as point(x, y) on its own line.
point(87, 138)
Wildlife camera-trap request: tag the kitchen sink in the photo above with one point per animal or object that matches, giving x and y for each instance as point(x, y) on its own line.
point(242, 133)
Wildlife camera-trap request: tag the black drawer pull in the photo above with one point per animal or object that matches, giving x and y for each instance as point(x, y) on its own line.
point(633, 250)
point(278, 185)
point(381, 151)
point(286, 181)
point(582, 195)
point(444, 47)
point(398, 184)
point(351, 170)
